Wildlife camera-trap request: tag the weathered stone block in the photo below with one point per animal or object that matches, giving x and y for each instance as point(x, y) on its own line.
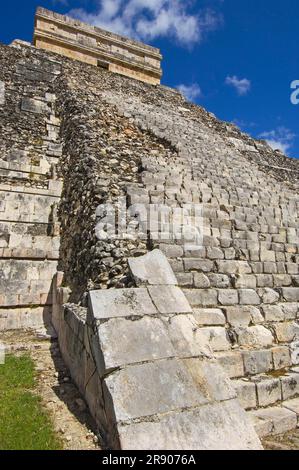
point(123, 342)
point(185, 336)
point(289, 385)
point(238, 316)
point(228, 428)
point(201, 281)
point(153, 269)
point(257, 362)
point(201, 297)
point(228, 296)
point(209, 316)
point(281, 357)
point(286, 332)
point(33, 106)
point(268, 296)
point(245, 281)
point(273, 312)
point(294, 348)
point(169, 299)
point(120, 303)
point(249, 297)
point(254, 336)
point(291, 294)
point(274, 420)
point(268, 391)
point(216, 337)
point(246, 392)
point(232, 362)
point(129, 389)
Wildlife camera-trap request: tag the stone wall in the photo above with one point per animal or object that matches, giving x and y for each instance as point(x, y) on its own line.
point(29, 190)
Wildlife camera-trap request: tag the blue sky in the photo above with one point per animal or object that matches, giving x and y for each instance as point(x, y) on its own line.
point(237, 58)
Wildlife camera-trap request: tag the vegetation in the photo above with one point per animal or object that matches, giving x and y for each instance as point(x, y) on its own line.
point(24, 424)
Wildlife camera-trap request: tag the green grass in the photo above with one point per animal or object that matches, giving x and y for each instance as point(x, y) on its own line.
point(24, 424)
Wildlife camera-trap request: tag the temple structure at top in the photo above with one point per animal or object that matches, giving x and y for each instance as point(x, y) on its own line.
point(80, 41)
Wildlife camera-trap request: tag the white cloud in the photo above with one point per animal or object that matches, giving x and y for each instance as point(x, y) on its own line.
point(242, 85)
point(279, 139)
point(150, 19)
point(191, 92)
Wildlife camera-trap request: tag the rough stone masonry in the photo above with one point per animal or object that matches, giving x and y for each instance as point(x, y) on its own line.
point(206, 331)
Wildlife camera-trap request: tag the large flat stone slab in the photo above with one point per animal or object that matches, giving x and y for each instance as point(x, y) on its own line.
point(169, 299)
point(153, 269)
point(124, 342)
point(150, 389)
point(217, 426)
point(120, 303)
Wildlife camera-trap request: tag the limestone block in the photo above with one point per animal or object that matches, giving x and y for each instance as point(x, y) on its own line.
point(273, 312)
point(245, 281)
point(194, 264)
point(246, 392)
point(291, 294)
point(228, 296)
point(249, 297)
point(184, 279)
point(294, 348)
point(120, 303)
point(129, 389)
point(289, 385)
point(291, 310)
point(209, 316)
point(268, 296)
point(152, 268)
point(264, 280)
point(257, 362)
point(216, 337)
point(201, 281)
point(221, 281)
point(186, 337)
point(286, 332)
point(268, 391)
point(169, 299)
point(254, 336)
point(201, 297)
point(212, 378)
point(33, 106)
point(238, 316)
point(274, 420)
point(228, 428)
point(292, 405)
point(232, 362)
point(233, 267)
point(123, 342)
point(281, 357)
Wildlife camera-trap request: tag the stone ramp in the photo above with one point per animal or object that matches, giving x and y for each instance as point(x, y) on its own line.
point(160, 388)
point(149, 378)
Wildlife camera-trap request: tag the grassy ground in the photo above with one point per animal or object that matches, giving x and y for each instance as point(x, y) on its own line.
point(24, 424)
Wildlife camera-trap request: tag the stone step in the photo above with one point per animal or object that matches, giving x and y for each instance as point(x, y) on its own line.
point(274, 420)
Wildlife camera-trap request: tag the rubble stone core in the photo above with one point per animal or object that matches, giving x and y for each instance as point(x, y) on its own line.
point(73, 137)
